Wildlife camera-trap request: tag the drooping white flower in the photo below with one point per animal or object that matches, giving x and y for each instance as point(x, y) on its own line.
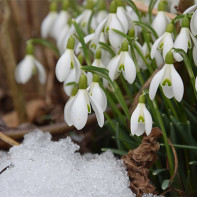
point(67, 62)
point(27, 67)
point(109, 23)
point(122, 63)
point(169, 79)
point(161, 20)
point(196, 84)
point(165, 42)
point(193, 23)
point(141, 120)
point(48, 22)
point(183, 40)
point(59, 24)
point(77, 109)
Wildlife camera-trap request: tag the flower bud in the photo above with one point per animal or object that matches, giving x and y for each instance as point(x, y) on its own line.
point(83, 81)
point(71, 43)
point(169, 58)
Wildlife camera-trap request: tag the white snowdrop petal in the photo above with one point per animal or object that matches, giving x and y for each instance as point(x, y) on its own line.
point(79, 110)
point(134, 120)
point(181, 42)
point(193, 24)
point(67, 111)
point(71, 78)
point(168, 91)
point(196, 84)
point(190, 9)
point(41, 71)
point(26, 68)
point(155, 83)
point(99, 96)
point(148, 121)
point(177, 84)
point(140, 129)
point(193, 39)
point(194, 52)
point(99, 30)
point(130, 70)
point(100, 16)
point(47, 24)
point(155, 46)
point(167, 44)
point(63, 65)
point(98, 111)
point(113, 67)
point(114, 38)
point(122, 16)
point(61, 37)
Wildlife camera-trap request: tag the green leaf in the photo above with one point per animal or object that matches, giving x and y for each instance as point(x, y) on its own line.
point(107, 48)
point(115, 151)
point(147, 28)
point(81, 39)
point(124, 35)
point(45, 43)
point(150, 8)
point(165, 184)
point(132, 5)
point(70, 83)
point(183, 146)
point(158, 171)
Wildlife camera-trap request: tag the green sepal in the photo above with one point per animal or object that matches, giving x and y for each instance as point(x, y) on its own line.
point(142, 99)
point(131, 32)
point(185, 22)
point(65, 5)
point(95, 78)
point(98, 54)
point(83, 82)
point(124, 46)
point(53, 7)
point(89, 5)
point(169, 59)
point(29, 48)
point(71, 43)
point(169, 28)
point(119, 3)
point(113, 7)
point(162, 5)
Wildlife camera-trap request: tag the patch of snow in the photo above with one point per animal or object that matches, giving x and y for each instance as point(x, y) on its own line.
point(42, 168)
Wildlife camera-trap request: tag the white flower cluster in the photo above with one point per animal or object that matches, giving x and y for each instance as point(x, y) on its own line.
point(101, 28)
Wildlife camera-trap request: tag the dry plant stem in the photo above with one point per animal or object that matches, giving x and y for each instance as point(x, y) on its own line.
point(8, 140)
point(144, 8)
point(6, 51)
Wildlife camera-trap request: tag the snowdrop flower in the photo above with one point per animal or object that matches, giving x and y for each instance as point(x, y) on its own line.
point(169, 79)
point(61, 21)
point(122, 63)
point(141, 120)
point(67, 62)
point(28, 66)
point(48, 22)
point(77, 108)
point(102, 13)
point(165, 42)
point(97, 93)
point(109, 23)
point(161, 20)
point(124, 18)
point(193, 23)
point(183, 40)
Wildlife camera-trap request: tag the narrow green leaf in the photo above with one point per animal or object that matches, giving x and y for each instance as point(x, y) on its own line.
point(132, 5)
point(115, 151)
point(71, 83)
point(147, 28)
point(158, 171)
point(81, 39)
point(45, 43)
point(177, 18)
point(150, 8)
point(107, 48)
point(165, 184)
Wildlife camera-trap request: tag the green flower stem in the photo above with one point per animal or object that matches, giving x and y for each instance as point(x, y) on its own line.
point(164, 137)
point(125, 86)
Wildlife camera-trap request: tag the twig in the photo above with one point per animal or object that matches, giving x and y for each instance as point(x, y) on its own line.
point(144, 8)
point(8, 140)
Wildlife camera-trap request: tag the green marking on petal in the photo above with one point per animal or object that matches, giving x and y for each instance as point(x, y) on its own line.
point(167, 82)
point(71, 65)
point(189, 45)
point(34, 71)
point(83, 24)
point(161, 45)
point(89, 109)
point(93, 45)
point(121, 67)
point(141, 119)
point(107, 29)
